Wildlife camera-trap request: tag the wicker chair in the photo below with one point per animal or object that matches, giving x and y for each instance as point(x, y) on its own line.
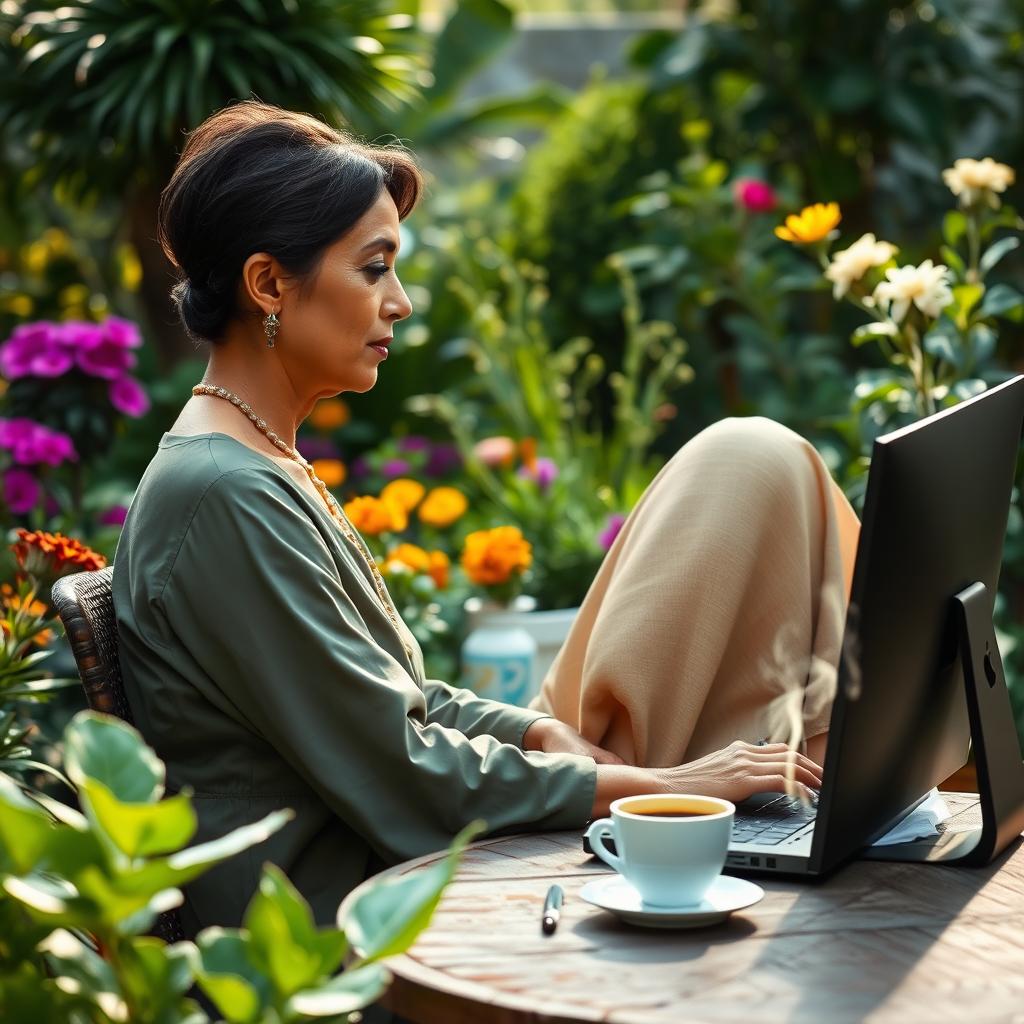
point(85, 604)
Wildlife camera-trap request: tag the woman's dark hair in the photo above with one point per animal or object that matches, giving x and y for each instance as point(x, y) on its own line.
point(256, 178)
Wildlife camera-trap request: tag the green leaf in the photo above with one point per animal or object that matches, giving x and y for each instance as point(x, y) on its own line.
point(25, 829)
point(283, 935)
point(228, 976)
point(954, 227)
point(1000, 300)
point(356, 988)
point(51, 901)
point(869, 332)
point(140, 830)
point(942, 346)
point(102, 747)
point(953, 260)
point(389, 914)
point(965, 298)
point(995, 252)
point(982, 340)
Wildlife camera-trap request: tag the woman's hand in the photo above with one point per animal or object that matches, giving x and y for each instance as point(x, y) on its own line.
point(555, 737)
point(743, 769)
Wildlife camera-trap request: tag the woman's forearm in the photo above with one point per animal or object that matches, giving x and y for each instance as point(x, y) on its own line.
point(615, 780)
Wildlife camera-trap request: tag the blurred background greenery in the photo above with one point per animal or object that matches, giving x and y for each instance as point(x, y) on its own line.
point(593, 281)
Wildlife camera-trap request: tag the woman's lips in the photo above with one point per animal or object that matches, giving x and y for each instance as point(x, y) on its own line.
point(381, 347)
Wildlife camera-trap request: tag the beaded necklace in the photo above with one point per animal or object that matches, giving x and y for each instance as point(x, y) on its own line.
point(336, 511)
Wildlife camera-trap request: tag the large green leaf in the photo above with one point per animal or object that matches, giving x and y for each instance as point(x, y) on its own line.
point(350, 991)
point(284, 937)
point(25, 829)
point(1000, 300)
point(389, 914)
point(102, 747)
point(139, 829)
point(995, 252)
point(51, 901)
point(228, 976)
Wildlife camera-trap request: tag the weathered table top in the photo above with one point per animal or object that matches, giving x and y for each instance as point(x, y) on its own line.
point(876, 941)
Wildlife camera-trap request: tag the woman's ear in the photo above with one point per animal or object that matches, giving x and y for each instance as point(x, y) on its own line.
point(263, 282)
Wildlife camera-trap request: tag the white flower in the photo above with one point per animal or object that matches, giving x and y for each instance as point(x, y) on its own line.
point(926, 286)
point(972, 180)
point(850, 265)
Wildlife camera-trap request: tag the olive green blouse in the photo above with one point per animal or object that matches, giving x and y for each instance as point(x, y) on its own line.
point(261, 665)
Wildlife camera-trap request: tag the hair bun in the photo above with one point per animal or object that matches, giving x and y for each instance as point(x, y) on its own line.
point(204, 310)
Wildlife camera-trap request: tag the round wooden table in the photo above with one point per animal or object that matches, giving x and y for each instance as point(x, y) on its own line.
point(878, 941)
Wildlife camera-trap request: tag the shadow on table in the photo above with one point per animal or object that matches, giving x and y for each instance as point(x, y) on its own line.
point(648, 945)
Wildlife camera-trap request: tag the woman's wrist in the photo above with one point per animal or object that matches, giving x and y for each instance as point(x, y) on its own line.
point(615, 781)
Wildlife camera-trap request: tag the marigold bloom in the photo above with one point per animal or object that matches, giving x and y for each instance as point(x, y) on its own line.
point(410, 555)
point(408, 493)
point(374, 515)
point(52, 554)
point(811, 224)
point(331, 471)
point(492, 557)
point(443, 506)
point(329, 414)
point(12, 602)
point(438, 569)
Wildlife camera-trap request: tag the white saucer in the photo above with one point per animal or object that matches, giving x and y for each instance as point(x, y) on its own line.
point(726, 895)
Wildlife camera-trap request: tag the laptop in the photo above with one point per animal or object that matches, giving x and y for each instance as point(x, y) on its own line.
point(935, 517)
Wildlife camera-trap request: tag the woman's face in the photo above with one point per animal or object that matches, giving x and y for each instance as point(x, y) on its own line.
point(335, 335)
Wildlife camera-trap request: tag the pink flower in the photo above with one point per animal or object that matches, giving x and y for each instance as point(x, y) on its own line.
point(544, 471)
point(394, 468)
point(114, 516)
point(97, 352)
point(35, 350)
point(754, 196)
point(495, 451)
point(127, 395)
point(606, 538)
point(31, 443)
point(122, 332)
point(21, 491)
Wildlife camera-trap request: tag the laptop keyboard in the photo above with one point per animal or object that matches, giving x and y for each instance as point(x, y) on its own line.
point(773, 822)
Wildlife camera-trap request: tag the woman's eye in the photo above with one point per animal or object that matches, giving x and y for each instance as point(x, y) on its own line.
point(377, 269)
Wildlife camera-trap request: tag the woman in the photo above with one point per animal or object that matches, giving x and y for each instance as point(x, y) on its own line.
point(262, 655)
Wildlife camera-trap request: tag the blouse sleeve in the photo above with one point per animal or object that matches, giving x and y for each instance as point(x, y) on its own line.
point(475, 716)
point(256, 597)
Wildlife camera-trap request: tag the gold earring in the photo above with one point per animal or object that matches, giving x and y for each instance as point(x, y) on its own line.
point(271, 326)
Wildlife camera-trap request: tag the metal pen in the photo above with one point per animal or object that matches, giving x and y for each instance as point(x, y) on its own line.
point(552, 910)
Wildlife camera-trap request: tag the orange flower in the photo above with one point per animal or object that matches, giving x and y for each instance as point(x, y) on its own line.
point(12, 601)
point(443, 506)
point(406, 492)
point(52, 554)
point(491, 557)
point(438, 569)
point(528, 453)
point(410, 555)
point(329, 414)
point(331, 471)
point(374, 515)
point(811, 224)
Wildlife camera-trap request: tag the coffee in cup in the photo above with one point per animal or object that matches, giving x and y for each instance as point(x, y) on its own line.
point(670, 847)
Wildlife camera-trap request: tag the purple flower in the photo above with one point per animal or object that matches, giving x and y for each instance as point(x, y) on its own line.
point(122, 332)
point(414, 443)
point(31, 443)
point(606, 538)
point(35, 349)
point(21, 491)
point(544, 472)
point(444, 459)
point(97, 352)
point(114, 516)
point(394, 467)
point(359, 467)
point(311, 448)
point(127, 395)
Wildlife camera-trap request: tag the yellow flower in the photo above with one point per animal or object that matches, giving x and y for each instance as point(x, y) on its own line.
point(331, 471)
point(443, 506)
point(329, 414)
point(406, 492)
point(811, 224)
point(493, 556)
point(374, 515)
point(438, 569)
point(131, 267)
point(410, 555)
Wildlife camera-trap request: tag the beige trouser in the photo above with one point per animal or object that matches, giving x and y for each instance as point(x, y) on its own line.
point(718, 613)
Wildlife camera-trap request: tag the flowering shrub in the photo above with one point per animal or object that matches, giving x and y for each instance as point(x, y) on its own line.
point(70, 385)
point(496, 560)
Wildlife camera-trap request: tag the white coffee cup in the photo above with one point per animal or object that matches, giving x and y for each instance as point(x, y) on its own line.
point(670, 848)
